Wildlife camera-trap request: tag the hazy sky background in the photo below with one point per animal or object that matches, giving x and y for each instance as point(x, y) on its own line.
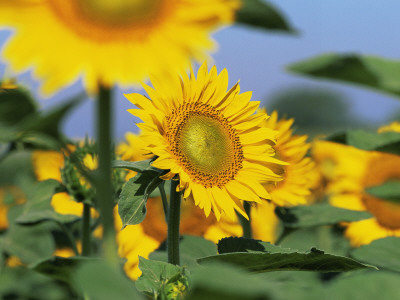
point(258, 58)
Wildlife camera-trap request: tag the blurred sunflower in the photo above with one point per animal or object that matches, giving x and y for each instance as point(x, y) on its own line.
point(111, 42)
point(212, 138)
point(348, 171)
point(47, 165)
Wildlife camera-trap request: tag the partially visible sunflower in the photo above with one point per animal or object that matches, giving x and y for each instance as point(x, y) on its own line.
point(348, 172)
point(9, 196)
point(118, 41)
point(47, 165)
point(133, 149)
point(212, 138)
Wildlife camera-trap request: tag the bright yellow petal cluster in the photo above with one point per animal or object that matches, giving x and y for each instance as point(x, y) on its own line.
point(349, 171)
point(300, 175)
point(120, 41)
point(212, 138)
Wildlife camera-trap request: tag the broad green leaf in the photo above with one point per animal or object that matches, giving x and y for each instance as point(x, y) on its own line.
point(157, 277)
point(29, 244)
point(365, 140)
point(327, 238)
point(262, 14)
point(226, 282)
point(137, 166)
point(38, 208)
point(190, 248)
point(374, 72)
point(315, 260)
point(22, 283)
point(134, 195)
point(15, 105)
point(100, 281)
point(15, 165)
point(60, 268)
point(241, 244)
point(317, 215)
point(382, 253)
point(390, 190)
point(363, 285)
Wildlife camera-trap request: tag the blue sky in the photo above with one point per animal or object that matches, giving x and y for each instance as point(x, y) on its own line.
point(258, 58)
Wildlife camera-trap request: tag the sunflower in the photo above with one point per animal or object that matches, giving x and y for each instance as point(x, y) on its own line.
point(300, 175)
point(301, 178)
point(348, 172)
point(212, 138)
point(109, 41)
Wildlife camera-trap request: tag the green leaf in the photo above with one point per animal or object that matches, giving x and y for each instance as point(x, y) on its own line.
point(15, 105)
point(317, 215)
point(60, 268)
point(38, 208)
point(22, 283)
point(30, 244)
point(315, 260)
point(374, 72)
point(157, 276)
point(226, 282)
point(100, 281)
point(390, 190)
point(383, 253)
point(365, 285)
point(262, 14)
point(134, 195)
point(137, 166)
point(190, 248)
point(365, 140)
point(16, 165)
point(241, 244)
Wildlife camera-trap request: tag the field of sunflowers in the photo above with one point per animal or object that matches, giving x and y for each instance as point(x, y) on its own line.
point(211, 195)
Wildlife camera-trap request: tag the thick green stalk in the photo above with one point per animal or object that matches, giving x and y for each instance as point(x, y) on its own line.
point(104, 189)
point(246, 224)
point(164, 199)
point(173, 224)
point(86, 232)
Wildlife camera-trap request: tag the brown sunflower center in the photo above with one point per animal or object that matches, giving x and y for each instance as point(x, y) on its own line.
point(204, 143)
point(119, 11)
point(106, 20)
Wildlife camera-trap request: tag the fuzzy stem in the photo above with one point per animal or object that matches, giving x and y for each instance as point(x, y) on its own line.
point(246, 224)
point(104, 190)
point(86, 232)
point(173, 224)
point(164, 199)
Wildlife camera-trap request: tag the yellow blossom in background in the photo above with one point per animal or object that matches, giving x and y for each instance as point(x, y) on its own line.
point(348, 172)
point(393, 127)
point(120, 41)
point(132, 149)
point(212, 138)
point(47, 165)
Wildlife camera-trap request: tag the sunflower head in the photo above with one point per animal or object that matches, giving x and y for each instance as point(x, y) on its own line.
point(112, 42)
point(212, 138)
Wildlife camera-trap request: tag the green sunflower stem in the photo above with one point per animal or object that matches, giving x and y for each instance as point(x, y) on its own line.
point(86, 232)
point(164, 199)
point(246, 224)
point(104, 189)
point(174, 213)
